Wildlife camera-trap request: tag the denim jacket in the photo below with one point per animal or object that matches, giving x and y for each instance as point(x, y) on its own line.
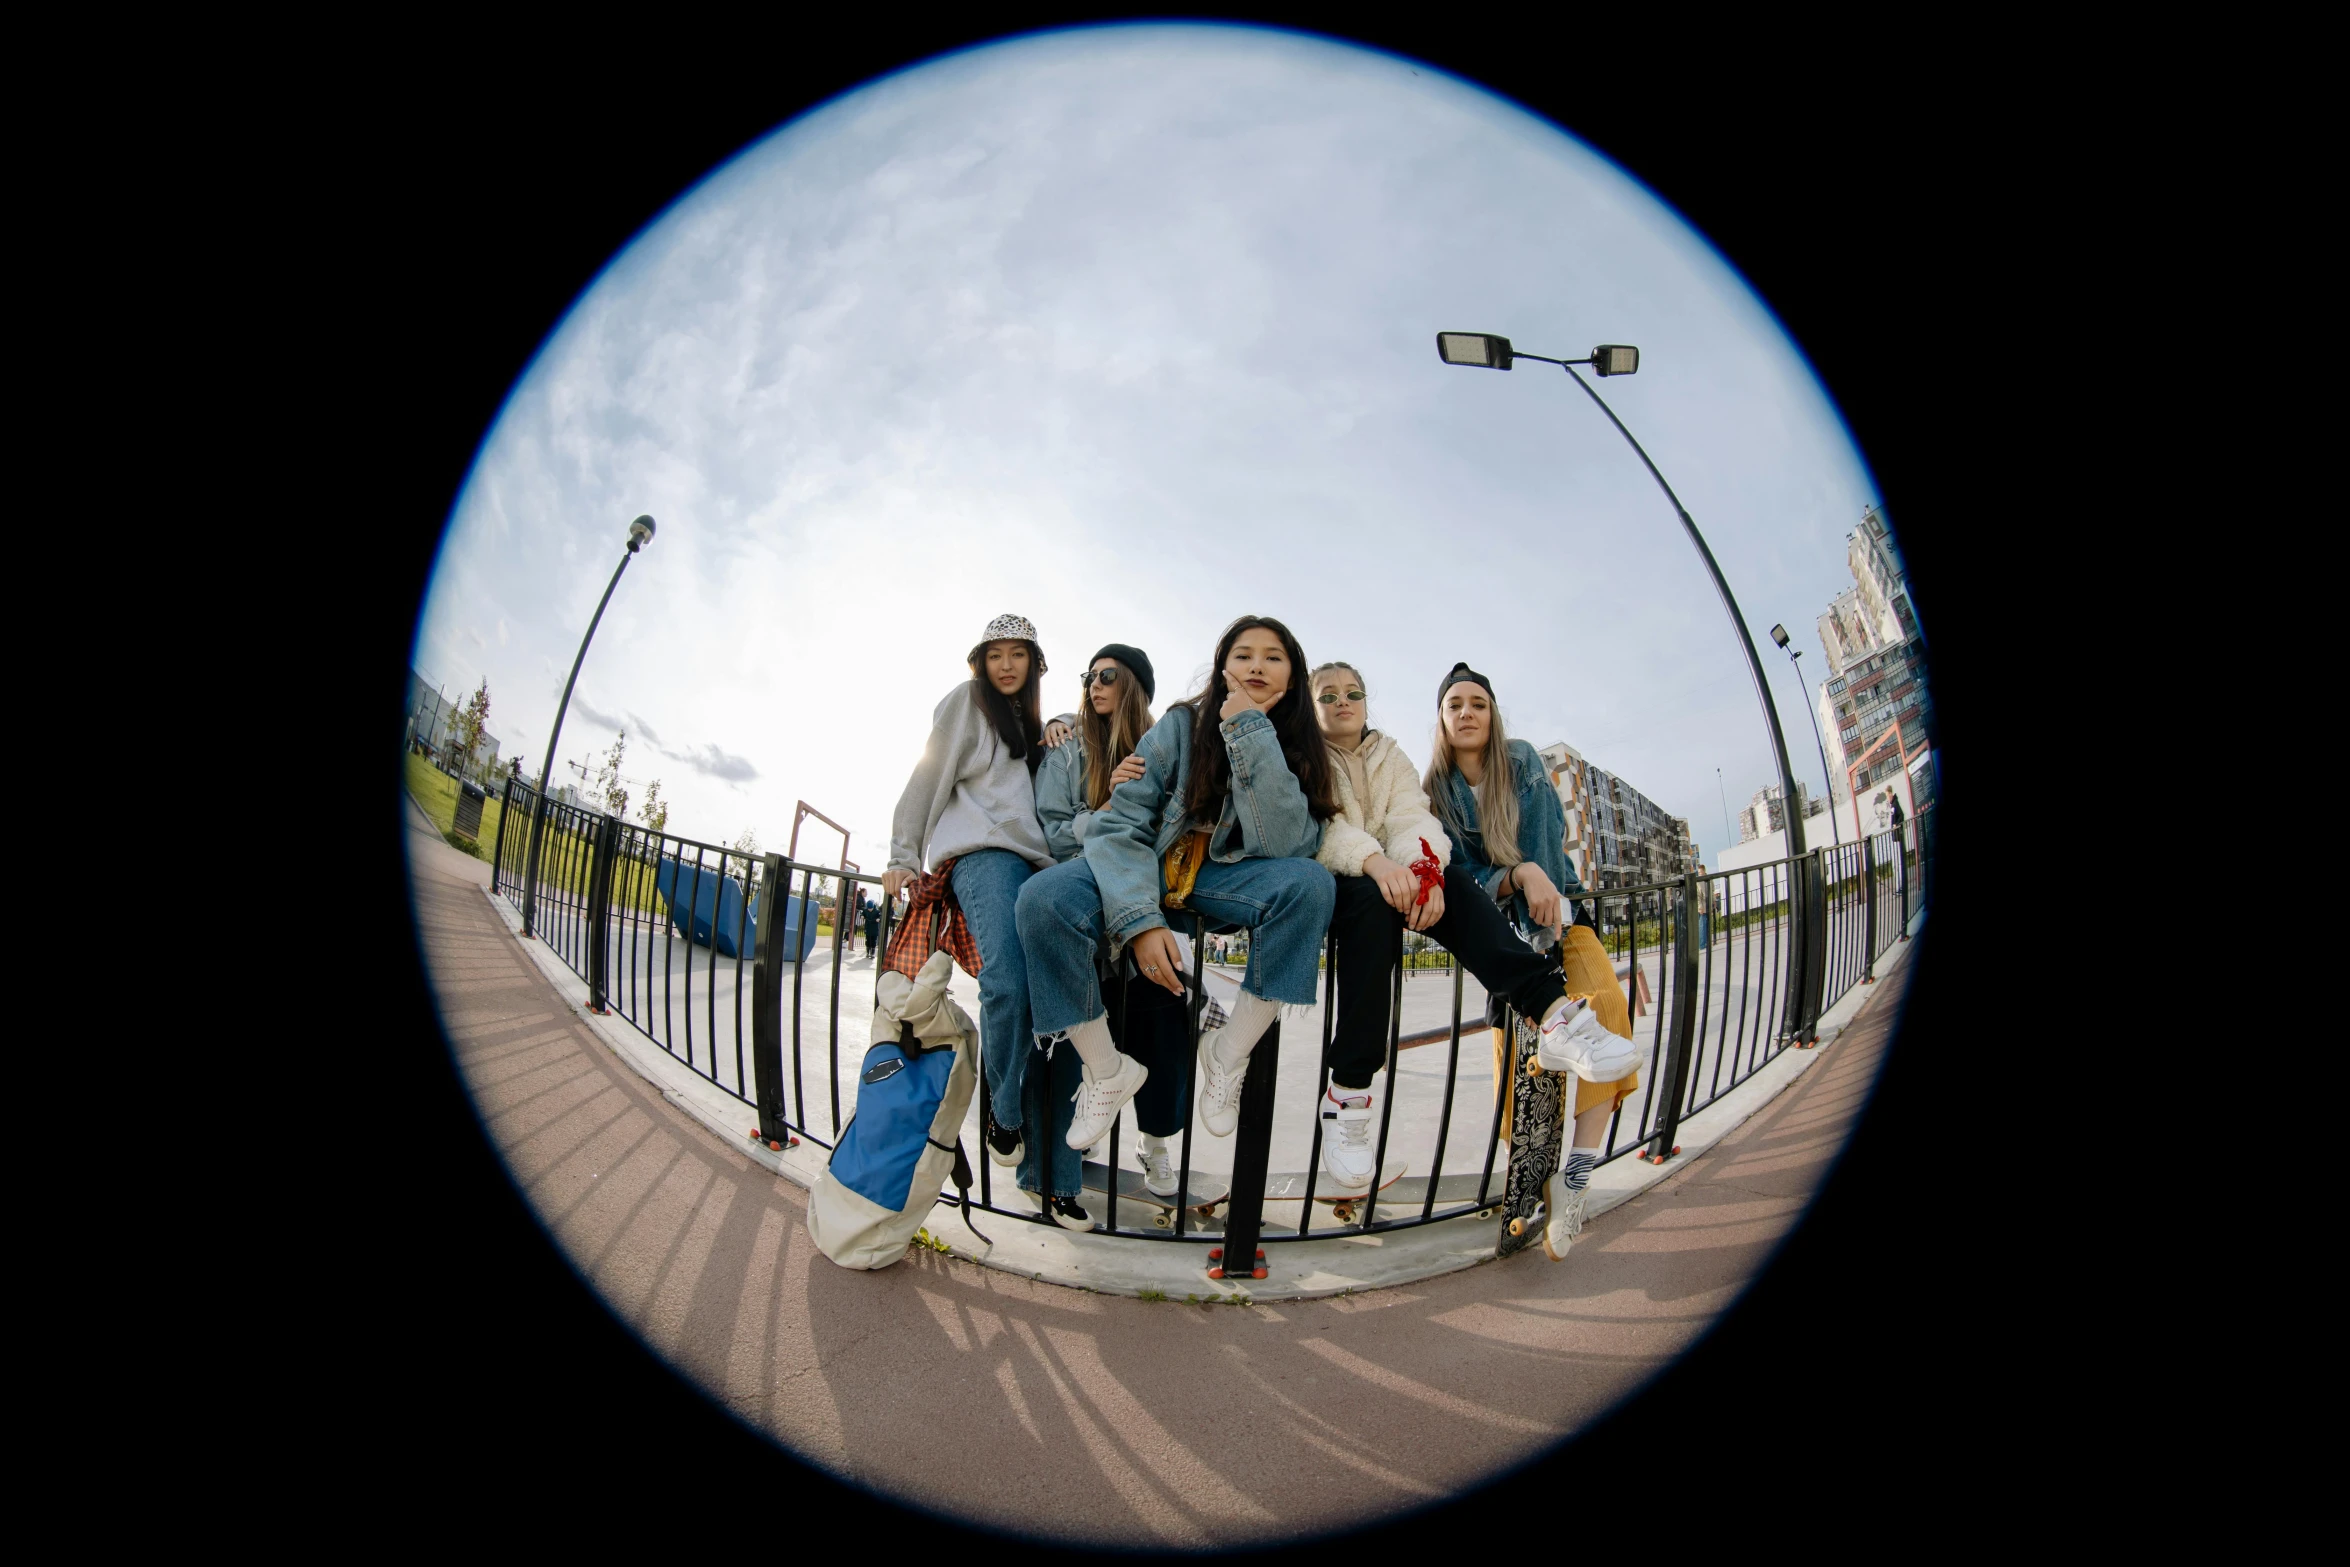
point(1542, 831)
point(1265, 817)
point(1060, 799)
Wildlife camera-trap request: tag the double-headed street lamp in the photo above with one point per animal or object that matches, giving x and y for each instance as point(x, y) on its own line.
point(640, 532)
point(1484, 350)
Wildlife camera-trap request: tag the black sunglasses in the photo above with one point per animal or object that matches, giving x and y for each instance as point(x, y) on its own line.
point(1107, 676)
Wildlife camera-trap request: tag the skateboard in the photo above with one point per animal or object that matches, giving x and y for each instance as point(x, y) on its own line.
point(1343, 1204)
point(1202, 1197)
point(1537, 1124)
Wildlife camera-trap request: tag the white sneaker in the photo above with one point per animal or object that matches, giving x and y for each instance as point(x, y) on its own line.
point(1219, 1087)
point(1098, 1104)
point(1565, 1219)
point(1575, 1040)
point(1158, 1170)
point(1346, 1144)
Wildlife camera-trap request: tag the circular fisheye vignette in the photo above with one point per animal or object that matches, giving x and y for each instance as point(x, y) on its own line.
point(686, 198)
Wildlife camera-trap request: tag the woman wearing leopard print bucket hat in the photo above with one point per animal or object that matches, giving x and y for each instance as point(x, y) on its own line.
point(969, 814)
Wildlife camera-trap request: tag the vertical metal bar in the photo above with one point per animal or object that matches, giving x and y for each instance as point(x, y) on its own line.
point(1305, 1206)
point(1501, 1091)
point(742, 947)
point(766, 1015)
point(832, 1023)
point(799, 945)
point(1193, 1003)
point(1684, 1018)
point(498, 854)
point(1387, 1113)
point(599, 910)
point(1252, 1146)
point(1443, 1118)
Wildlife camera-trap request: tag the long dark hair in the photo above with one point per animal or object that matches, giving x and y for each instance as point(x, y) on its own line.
point(1018, 720)
point(1111, 736)
point(1302, 745)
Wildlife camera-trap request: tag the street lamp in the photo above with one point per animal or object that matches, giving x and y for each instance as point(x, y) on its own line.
point(640, 532)
point(1827, 778)
point(1489, 351)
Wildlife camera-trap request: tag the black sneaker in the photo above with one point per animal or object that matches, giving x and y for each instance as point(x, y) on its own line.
point(1003, 1145)
point(1068, 1215)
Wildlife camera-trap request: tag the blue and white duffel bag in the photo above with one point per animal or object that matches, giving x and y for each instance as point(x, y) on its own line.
point(904, 1140)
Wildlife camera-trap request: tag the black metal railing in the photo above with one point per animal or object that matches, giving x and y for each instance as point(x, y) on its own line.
point(1722, 972)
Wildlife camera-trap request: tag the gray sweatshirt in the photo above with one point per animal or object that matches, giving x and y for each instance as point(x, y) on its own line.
point(967, 793)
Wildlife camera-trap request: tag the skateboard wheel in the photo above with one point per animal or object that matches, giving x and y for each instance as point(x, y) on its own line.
point(1216, 1254)
point(1260, 1258)
point(1159, 1220)
point(1215, 1273)
point(1260, 1273)
point(1517, 1226)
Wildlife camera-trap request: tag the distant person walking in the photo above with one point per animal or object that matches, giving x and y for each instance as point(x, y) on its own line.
point(872, 921)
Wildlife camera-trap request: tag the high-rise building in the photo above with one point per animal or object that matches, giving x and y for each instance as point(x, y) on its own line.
point(1767, 811)
point(1876, 668)
point(1616, 836)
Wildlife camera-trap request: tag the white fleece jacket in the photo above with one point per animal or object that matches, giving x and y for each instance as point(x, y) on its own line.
point(1391, 822)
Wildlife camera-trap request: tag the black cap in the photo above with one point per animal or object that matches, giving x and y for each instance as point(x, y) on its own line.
point(1461, 672)
point(1133, 658)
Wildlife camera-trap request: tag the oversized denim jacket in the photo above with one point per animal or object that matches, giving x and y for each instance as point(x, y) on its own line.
point(1060, 799)
point(1265, 817)
point(1542, 830)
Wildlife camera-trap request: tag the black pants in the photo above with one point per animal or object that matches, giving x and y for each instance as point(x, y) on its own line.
point(1473, 930)
point(1155, 1028)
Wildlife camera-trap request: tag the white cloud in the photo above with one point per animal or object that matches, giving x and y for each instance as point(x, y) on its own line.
point(1132, 331)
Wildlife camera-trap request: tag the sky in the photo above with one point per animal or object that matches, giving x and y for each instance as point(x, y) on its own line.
point(1132, 331)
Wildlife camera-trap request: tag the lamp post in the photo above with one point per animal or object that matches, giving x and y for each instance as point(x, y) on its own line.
point(639, 533)
point(1484, 350)
point(1827, 778)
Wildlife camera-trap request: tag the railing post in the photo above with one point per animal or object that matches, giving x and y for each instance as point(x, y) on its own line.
point(1683, 1023)
point(1815, 947)
point(767, 1006)
point(498, 854)
point(1868, 938)
point(599, 910)
point(1244, 1209)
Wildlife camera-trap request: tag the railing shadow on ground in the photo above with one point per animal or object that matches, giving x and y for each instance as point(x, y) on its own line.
point(1726, 971)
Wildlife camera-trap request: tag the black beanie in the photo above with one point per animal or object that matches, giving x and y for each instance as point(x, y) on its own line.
point(1133, 658)
point(1461, 672)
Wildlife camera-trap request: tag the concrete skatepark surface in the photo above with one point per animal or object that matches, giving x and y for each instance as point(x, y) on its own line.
point(1084, 1417)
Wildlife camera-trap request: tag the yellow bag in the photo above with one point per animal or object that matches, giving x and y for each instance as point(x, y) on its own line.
point(1180, 869)
point(1589, 977)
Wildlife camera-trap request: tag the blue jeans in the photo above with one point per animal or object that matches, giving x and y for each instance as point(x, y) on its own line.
point(988, 883)
point(1284, 903)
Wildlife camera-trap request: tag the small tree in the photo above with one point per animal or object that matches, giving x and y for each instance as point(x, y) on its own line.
point(654, 813)
point(747, 846)
point(608, 779)
point(472, 721)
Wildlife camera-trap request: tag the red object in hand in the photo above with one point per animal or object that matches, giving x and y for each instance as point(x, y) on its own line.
point(1430, 873)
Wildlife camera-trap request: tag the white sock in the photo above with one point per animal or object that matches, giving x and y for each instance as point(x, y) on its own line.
point(1556, 1010)
point(1092, 1043)
point(1153, 1144)
point(1251, 1016)
point(1342, 1096)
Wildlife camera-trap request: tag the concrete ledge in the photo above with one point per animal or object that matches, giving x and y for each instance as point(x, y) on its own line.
point(1177, 1270)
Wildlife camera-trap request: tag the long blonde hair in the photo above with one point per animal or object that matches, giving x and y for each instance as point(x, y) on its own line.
point(1111, 737)
point(1496, 796)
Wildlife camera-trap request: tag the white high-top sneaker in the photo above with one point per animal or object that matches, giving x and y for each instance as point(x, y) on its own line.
point(1098, 1103)
point(1219, 1087)
point(1346, 1143)
point(1575, 1040)
point(1158, 1168)
point(1565, 1220)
